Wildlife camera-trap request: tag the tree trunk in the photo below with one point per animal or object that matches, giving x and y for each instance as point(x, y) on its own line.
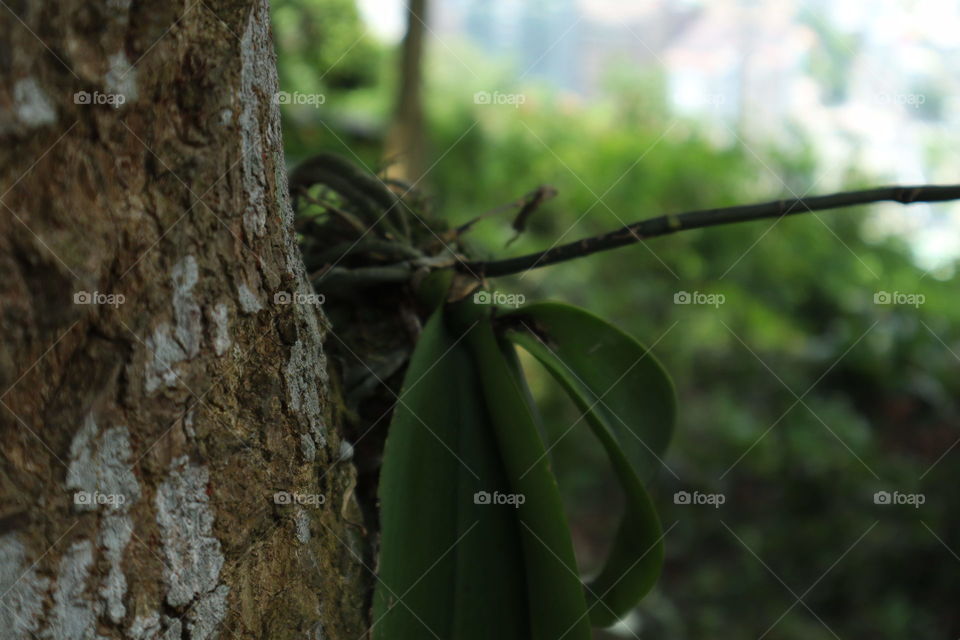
point(170, 465)
point(406, 140)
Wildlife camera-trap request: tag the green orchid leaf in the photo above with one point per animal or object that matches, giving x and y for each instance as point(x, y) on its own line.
point(557, 606)
point(612, 374)
point(629, 402)
point(450, 564)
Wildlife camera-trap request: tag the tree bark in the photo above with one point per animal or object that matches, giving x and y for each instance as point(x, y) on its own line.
point(406, 140)
point(170, 467)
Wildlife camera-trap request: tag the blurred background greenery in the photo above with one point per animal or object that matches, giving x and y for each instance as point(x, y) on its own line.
point(799, 396)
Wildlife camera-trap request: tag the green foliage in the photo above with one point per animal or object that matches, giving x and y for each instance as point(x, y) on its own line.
point(325, 52)
point(446, 562)
point(878, 381)
point(798, 315)
point(555, 597)
point(628, 401)
point(324, 44)
point(607, 374)
point(465, 427)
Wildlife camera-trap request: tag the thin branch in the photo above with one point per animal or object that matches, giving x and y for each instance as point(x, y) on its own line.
point(671, 223)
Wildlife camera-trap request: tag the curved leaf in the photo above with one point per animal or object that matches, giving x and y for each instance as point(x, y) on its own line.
point(622, 384)
point(629, 403)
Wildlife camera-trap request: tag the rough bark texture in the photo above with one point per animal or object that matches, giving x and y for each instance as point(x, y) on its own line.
point(157, 392)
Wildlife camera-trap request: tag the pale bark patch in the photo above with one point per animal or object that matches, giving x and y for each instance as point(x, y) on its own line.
point(32, 106)
point(23, 589)
point(99, 473)
point(220, 319)
point(121, 78)
point(72, 614)
point(249, 301)
point(193, 556)
point(115, 533)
